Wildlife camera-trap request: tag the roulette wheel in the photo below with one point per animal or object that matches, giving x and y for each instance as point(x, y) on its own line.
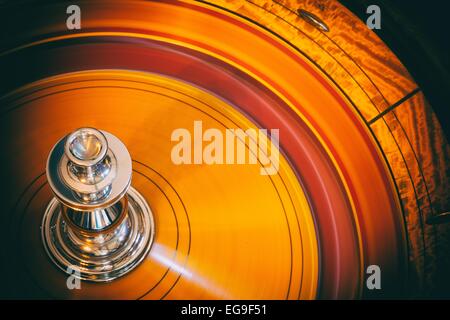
point(90, 120)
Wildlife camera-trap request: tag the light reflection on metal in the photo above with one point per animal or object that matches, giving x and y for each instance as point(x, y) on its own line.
point(96, 221)
point(313, 20)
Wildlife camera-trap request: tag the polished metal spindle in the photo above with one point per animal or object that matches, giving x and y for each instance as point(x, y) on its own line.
point(96, 222)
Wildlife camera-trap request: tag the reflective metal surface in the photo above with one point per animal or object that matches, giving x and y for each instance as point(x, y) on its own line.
point(310, 232)
point(219, 229)
point(91, 226)
point(99, 256)
point(86, 179)
point(313, 20)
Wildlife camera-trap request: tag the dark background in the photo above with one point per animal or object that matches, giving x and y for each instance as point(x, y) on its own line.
point(418, 33)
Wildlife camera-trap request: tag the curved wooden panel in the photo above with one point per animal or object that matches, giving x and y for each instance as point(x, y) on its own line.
point(263, 66)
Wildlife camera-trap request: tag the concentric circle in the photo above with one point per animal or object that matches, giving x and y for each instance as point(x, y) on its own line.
point(86, 146)
point(128, 246)
point(194, 254)
point(116, 182)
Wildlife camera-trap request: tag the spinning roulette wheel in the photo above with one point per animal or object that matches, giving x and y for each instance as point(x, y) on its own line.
point(87, 118)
